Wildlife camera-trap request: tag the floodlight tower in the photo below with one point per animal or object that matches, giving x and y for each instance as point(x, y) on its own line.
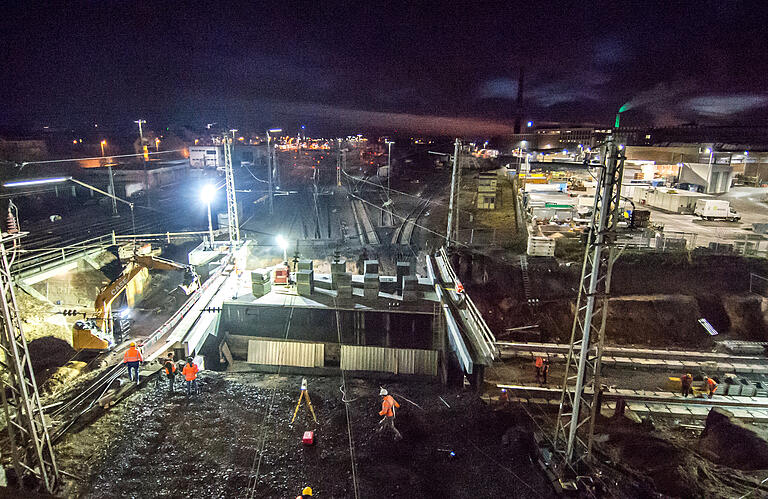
point(232, 222)
point(580, 397)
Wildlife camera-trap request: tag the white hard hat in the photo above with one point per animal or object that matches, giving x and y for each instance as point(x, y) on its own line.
point(383, 392)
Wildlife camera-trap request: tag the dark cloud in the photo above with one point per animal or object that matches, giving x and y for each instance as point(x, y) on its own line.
point(89, 61)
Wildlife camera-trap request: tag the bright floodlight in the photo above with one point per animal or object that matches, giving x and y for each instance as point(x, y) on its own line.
point(36, 181)
point(707, 150)
point(282, 242)
point(208, 193)
point(275, 130)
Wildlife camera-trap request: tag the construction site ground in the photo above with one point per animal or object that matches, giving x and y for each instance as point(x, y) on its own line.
point(237, 432)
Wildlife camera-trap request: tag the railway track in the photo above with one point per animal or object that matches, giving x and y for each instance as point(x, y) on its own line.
point(404, 231)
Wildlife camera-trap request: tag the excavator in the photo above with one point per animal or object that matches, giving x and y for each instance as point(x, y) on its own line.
point(100, 333)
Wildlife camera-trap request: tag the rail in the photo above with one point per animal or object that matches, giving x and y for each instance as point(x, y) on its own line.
point(40, 260)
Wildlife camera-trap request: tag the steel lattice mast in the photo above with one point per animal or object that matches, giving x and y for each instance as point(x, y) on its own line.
point(580, 397)
point(232, 221)
point(31, 447)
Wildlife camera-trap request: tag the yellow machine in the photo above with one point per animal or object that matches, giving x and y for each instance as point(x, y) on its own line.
point(98, 333)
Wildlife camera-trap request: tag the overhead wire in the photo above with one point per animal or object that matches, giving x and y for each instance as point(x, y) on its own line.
point(256, 465)
point(346, 402)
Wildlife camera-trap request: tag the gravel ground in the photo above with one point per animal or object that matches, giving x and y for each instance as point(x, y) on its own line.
point(159, 445)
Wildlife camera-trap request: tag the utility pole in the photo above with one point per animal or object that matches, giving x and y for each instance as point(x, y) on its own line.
point(140, 121)
point(338, 165)
point(31, 448)
point(111, 181)
point(270, 169)
point(580, 397)
point(229, 176)
point(449, 229)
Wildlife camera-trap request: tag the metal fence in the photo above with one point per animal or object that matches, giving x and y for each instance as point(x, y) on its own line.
point(391, 360)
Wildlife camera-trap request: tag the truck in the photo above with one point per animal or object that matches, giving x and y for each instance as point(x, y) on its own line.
point(715, 209)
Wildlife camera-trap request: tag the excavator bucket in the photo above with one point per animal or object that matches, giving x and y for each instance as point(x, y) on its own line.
point(87, 338)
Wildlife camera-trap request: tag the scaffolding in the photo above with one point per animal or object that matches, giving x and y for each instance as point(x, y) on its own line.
point(581, 394)
point(31, 447)
point(232, 221)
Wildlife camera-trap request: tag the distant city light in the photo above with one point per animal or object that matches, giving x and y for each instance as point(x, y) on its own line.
point(707, 150)
point(530, 124)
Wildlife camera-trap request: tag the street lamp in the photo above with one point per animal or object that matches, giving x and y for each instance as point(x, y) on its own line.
point(103, 143)
point(270, 168)
point(284, 245)
point(207, 194)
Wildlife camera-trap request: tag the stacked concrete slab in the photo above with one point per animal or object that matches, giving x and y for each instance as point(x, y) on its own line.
point(337, 267)
point(371, 267)
point(403, 269)
point(305, 282)
point(306, 265)
point(410, 288)
point(344, 286)
point(371, 286)
point(260, 283)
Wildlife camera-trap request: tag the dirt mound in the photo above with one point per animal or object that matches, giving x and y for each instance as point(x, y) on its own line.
point(657, 320)
point(728, 441)
point(748, 316)
point(673, 470)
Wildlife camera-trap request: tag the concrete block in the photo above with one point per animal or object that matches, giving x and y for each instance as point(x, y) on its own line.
point(337, 268)
point(371, 281)
point(260, 289)
point(260, 275)
point(305, 276)
point(403, 269)
point(304, 289)
point(371, 293)
point(700, 411)
point(371, 267)
point(678, 410)
point(344, 279)
point(748, 390)
point(305, 265)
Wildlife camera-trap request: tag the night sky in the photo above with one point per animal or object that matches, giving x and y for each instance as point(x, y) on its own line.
point(442, 67)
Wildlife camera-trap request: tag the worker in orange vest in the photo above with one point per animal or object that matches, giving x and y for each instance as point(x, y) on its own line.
point(687, 384)
point(388, 406)
point(539, 363)
point(190, 374)
point(712, 386)
point(170, 370)
point(132, 359)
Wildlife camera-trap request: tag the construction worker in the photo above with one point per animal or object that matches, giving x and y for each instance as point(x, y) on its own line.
point(539, 363)
point(545, 371)
point(711, 386)
point(388, 406)
point(687, 384)
point(306, 492)
point(190, 374)
point(132, 359)
point(169, 367)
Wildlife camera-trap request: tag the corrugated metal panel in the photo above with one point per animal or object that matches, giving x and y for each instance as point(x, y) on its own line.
point(391, 360)
point(286, 353)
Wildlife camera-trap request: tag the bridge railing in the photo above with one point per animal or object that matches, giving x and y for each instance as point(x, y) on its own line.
point(42, 259)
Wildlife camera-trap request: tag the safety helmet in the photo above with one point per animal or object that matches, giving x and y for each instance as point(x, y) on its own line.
point(133, 344)
point(383, 392)
point(307, 491)
point(190, 359)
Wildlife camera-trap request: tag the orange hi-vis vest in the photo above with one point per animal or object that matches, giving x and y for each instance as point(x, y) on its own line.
point(539, 362)
point(172, 370)
point(190, 371)
point(387, 406)
point(132, 355)
point(711, 383)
